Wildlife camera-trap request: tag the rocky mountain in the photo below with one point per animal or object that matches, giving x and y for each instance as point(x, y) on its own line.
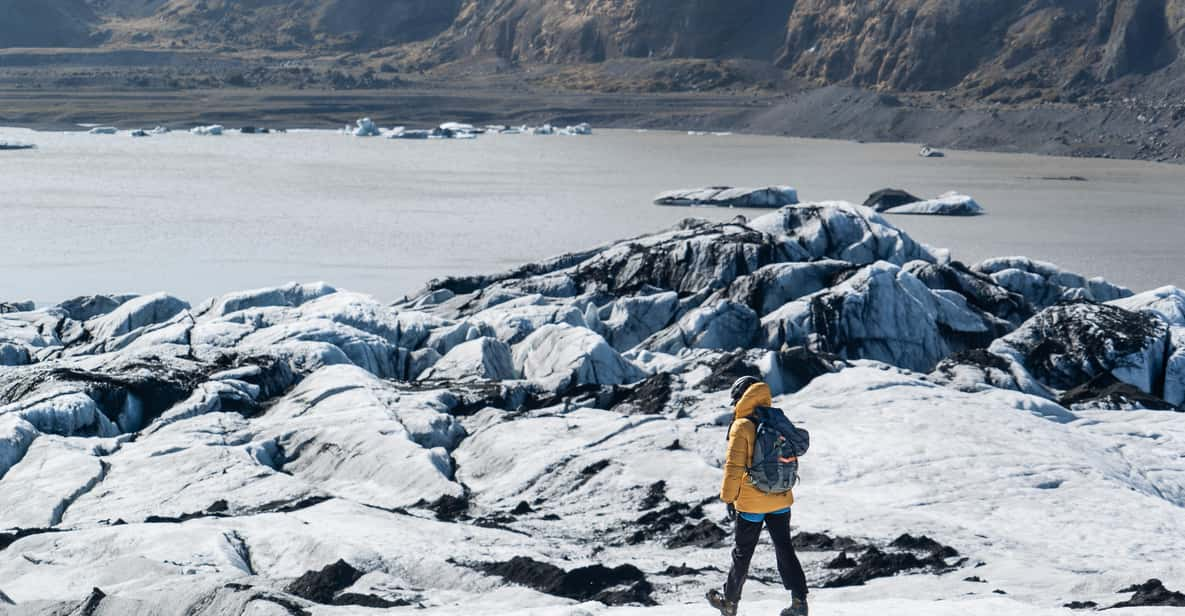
point(1027, 48)
point(46, 23)
point(548, 440)
point(274, 24)
point(982, 45)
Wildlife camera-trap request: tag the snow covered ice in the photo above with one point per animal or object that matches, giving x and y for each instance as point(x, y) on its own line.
point(725, 196)
point(205, 131)
point(948, 204)
point(548, 440)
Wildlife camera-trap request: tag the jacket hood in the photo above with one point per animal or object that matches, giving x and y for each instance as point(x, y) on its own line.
point(757, 395)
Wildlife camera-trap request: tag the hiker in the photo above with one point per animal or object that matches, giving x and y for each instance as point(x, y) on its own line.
point(752, 506)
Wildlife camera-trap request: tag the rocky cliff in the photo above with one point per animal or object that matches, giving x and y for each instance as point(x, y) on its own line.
point(981, 45)
point(1029, 48)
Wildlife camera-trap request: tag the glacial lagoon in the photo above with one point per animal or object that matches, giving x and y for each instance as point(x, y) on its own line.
point(198, 216)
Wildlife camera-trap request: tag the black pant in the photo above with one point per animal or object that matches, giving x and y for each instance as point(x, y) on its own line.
point(747, 534)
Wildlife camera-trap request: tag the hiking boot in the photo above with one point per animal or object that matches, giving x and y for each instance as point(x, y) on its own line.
point(797, 607)
point(717, 600)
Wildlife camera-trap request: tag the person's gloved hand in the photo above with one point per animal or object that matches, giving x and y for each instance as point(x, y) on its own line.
point(732, 512)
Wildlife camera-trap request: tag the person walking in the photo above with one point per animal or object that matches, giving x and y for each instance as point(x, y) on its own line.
point(754, 508)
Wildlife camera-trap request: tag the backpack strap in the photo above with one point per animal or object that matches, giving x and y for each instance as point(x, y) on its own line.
point(749, 418)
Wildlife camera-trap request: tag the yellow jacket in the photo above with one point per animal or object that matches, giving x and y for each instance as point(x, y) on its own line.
point(736, 488)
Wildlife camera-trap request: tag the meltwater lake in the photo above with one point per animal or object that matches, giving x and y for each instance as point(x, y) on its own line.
point(198, 216)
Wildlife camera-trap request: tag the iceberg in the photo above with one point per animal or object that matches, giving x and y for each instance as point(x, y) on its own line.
point(948, 204)
point(212, 130)
point(365, 128)
point(577, 130)
point(726, 196)
point(400, 132)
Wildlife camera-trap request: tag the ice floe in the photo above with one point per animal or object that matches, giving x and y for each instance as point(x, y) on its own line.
point(725, 196)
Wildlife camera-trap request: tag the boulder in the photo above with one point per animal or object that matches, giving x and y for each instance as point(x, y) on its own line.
point(725, 196)
point(889, 198)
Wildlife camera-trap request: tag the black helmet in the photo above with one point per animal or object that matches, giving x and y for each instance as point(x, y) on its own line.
point(740, 386)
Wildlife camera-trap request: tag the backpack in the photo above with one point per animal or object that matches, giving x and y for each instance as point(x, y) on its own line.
point(776, 449)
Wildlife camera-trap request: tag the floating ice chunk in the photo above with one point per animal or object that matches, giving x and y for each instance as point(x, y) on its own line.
point(458, 127)
point(726, 196)
point(403, 133)
point(577, 130)
point(139, 132)
point(949, 204)
point(103, 130)
point(365, 128)
point(212, 130)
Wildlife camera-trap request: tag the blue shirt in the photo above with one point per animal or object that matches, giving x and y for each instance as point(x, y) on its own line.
point(760, 517)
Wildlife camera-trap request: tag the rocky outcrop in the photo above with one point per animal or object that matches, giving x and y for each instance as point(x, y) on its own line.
point(621, 585)
point(1151, 593)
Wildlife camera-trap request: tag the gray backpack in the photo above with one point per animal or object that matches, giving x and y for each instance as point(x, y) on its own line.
point(779, 444)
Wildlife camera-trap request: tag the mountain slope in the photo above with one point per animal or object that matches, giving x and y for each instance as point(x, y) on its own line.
point(1025, 47)
point(45, 23)
point(278, 24)
point(935, 44)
